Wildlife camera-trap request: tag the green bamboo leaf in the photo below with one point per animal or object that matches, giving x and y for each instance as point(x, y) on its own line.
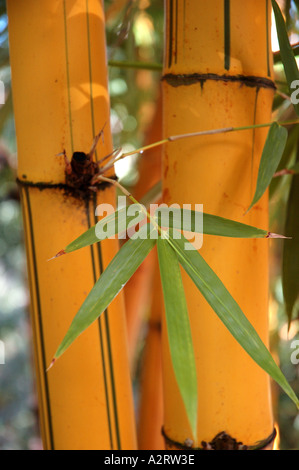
point(271, 156)
point(178, 329)
point(111, 225)
point(290, 270)
point(109, 284)
point(229, 312)
point(117, 222)
point(286, 158)
point(286, 51)
point(277, 56)
point(295, 168)
point(201, 222)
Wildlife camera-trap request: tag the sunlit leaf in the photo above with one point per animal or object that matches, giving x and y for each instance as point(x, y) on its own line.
point(110, 283)
point(229, 312)
point(178, 329)
point(271, 156)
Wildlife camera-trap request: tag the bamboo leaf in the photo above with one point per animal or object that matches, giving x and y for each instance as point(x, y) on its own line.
point(277, 55)
point(287, 156)
point(286, 51)
point(117, 222)
point(295, 168)
point(201, 222)
point(229, 312)
point(178, 329)
point(113, 224)
point(271, 156)
point(110, 283)
point(290, 270)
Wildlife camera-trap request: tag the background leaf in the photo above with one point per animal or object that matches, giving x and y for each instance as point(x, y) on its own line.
point(271, 156)
point(286, 52)
point(287, 157)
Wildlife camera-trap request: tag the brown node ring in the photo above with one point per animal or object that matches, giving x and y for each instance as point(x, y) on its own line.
point(222, 441)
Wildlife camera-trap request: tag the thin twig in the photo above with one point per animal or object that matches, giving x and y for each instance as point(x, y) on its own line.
point(283, 95)
point(283, 172)
point(174, 138)
point(131, 197)
point(135, 65)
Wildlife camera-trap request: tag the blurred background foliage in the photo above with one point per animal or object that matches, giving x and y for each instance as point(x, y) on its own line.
point(134, 34)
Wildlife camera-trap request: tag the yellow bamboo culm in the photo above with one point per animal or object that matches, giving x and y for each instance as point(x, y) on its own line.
point(59, 78)
point(218, 73)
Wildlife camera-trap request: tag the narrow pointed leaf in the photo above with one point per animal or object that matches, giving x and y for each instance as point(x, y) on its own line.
point(290, 270)
point(178, 329)
point(286, 52)
point(110, 283)
point(229, 312)
point(210, 225)
point(112, 224)
point(116, 223)
point(271, 156)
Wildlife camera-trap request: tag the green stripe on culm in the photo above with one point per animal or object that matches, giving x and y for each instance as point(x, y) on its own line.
point(226, 34)
point(39, 316)
point(68, 76)
point(268, 39)
point(170, 33)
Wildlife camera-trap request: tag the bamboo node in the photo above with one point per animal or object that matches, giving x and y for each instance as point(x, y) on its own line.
point(222, 441)
point(176, 80)
point(77, 193)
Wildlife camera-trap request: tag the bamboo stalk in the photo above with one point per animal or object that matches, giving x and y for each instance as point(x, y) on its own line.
point(59, 79)
point(218, 74)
